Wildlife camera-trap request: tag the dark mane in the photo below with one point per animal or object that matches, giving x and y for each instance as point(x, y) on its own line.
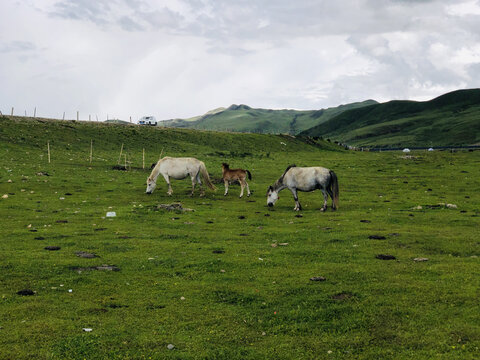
point(288, 168)
point(279, 182)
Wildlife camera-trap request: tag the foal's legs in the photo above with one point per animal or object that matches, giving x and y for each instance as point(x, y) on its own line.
point(242, 186)
point(248, 189)
point(226, 187)
point(297, 207)
point(167, 179)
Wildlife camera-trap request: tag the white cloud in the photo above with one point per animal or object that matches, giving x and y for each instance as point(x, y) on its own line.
point(180, 58)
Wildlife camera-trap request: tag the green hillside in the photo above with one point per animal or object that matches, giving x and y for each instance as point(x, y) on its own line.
point(242, 118)
point(448, 120)
point(75, 136)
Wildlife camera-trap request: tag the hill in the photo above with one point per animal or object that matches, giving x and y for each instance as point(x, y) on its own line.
point(448, 120)
point(243, 118)
point(75, 136)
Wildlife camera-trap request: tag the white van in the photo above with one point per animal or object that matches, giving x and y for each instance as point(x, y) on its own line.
point(148, 120)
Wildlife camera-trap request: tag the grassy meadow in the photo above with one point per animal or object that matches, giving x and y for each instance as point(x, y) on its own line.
point(232, 279)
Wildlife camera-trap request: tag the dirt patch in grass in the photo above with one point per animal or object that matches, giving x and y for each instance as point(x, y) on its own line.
point(86, 255)
point(385, 257)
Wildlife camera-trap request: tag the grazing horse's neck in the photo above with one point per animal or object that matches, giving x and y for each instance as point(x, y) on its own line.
point(156, 170)
point(279, 185)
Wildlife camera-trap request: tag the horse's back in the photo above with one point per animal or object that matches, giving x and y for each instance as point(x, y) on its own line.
point(180, 167)
point(306, 178)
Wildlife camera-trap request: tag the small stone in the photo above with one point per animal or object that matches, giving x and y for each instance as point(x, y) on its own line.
point(111, 214)
point(420, 259)
point(87, 329)
point(274, 245)
point(283, 244)
point(170, 346)
point(5, 196)
point(182, 298)
point(318, 278)
point(222, 271)
point(418, 207)
point(451, 206)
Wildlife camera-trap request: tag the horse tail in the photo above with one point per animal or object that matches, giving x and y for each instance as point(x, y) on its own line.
point(249, 175)
point(334, 187)
point(206, 178)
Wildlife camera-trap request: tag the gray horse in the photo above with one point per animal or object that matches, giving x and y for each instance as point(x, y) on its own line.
point(306, 179)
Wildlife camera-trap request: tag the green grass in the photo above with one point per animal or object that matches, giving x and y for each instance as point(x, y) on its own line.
point(451, 119)
point(263, 306)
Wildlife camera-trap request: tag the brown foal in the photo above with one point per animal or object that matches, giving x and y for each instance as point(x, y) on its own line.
point(239, 175)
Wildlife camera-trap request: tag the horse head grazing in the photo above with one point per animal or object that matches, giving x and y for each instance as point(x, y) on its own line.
point(272, 196)
point(151, 184)
point(225, 166)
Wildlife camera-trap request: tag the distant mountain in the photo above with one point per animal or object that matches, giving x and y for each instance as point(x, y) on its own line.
point(243, 118)
point(450, 119)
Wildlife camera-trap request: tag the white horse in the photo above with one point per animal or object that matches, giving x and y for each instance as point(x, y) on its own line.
point(179, 168)
point(306, 179)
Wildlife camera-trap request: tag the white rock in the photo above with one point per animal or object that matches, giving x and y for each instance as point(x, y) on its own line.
point(87, 329)
point(170, 346)
point(111, 214)
point(5, 196)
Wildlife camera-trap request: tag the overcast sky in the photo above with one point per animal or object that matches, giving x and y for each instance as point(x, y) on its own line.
point(180, 58)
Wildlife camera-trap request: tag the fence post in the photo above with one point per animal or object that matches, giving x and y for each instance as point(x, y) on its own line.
point(48, 149)
point(63, 116)
point(12, 111)
point(35, 112)
point(120, 156)
point(91, 150)
point(77, 115)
